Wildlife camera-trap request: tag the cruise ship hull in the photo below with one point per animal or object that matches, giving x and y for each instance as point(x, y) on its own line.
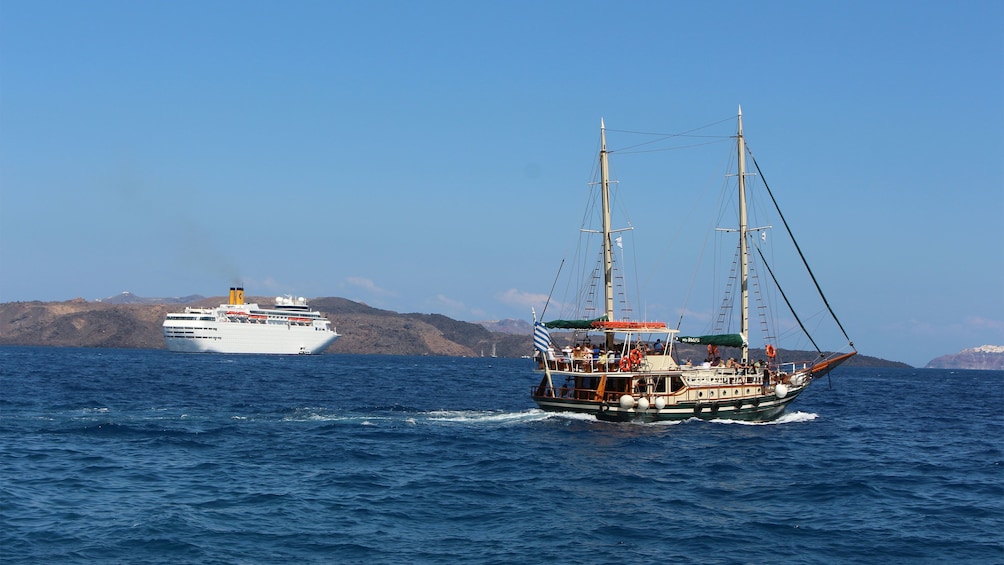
point(233, 338)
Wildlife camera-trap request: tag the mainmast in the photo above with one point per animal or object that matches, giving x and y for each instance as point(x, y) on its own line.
point(608, 262)
point(743, 243)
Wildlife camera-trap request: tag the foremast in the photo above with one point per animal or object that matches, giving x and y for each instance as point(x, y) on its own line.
point(608, 261)
point(743, 242)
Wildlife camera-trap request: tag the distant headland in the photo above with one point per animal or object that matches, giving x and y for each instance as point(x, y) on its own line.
point(984, 357)
point(130, 321)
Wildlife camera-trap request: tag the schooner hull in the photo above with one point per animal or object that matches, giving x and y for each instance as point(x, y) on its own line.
point(757, 409)
point(763, 412)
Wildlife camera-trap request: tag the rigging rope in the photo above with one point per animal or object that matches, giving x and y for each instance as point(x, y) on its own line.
point(797, 248)
point(556, 275)
point(786, 301)
point(625, 152)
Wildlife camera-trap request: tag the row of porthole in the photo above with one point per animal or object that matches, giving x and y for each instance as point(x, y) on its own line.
point(700, 394)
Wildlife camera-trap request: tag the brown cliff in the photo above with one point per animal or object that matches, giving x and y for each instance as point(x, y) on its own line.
point(79, 323)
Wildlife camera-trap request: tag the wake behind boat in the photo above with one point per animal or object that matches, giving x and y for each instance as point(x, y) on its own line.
point(619, 369)
point(289, 328)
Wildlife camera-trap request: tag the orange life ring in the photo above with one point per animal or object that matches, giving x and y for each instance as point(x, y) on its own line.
point(625, 363)
point(771, 352)
point(635, 356)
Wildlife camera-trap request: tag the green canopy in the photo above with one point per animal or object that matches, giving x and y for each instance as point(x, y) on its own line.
point(574, 324)
point(725, 340)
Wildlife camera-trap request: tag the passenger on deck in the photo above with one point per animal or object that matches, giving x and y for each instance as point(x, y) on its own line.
point(658, 346)
point(577, 358)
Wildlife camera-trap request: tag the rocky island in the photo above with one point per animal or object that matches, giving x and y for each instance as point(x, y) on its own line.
point(984, 357)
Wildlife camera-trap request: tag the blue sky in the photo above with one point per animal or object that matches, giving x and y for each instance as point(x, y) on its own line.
point(434, 156)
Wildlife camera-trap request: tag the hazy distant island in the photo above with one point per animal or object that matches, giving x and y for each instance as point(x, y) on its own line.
point(984, 357)
point(130, 321)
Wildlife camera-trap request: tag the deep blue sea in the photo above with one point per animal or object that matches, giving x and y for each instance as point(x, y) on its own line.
point(137, 456)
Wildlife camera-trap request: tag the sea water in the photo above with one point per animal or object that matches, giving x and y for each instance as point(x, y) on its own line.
point(138, 456)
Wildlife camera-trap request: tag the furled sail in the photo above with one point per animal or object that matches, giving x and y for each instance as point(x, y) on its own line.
point(574, 324)
point(724, 340)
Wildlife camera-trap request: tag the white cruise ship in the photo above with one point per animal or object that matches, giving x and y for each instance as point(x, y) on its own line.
point(288, 328)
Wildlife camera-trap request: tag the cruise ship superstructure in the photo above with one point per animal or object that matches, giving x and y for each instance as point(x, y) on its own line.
point(288, 328)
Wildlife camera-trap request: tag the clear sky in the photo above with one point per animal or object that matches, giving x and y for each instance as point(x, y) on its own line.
point(434, 156)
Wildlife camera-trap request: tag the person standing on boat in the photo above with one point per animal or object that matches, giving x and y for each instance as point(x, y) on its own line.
point(658, 347)
point(577, 358)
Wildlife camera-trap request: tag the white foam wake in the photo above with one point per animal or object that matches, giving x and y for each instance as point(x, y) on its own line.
point(787, 418)
point(489, 417)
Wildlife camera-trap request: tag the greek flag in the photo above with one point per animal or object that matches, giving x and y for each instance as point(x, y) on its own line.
point(541, 339)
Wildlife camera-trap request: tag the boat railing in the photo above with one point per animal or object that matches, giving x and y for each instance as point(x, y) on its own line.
point(580, 366)
point(793, 366)
point(564, 392)
point(648, 364)
point(586, 394)
point(726, 376)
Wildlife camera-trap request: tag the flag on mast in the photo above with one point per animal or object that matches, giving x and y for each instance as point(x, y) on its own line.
point(541, 338)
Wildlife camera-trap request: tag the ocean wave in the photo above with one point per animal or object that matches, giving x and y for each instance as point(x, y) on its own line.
point(786, 418)
point(189, 462)
point(489, 416)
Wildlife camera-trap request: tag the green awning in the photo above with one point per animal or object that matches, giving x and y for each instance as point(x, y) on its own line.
point(574, 324)
point(725, 340)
